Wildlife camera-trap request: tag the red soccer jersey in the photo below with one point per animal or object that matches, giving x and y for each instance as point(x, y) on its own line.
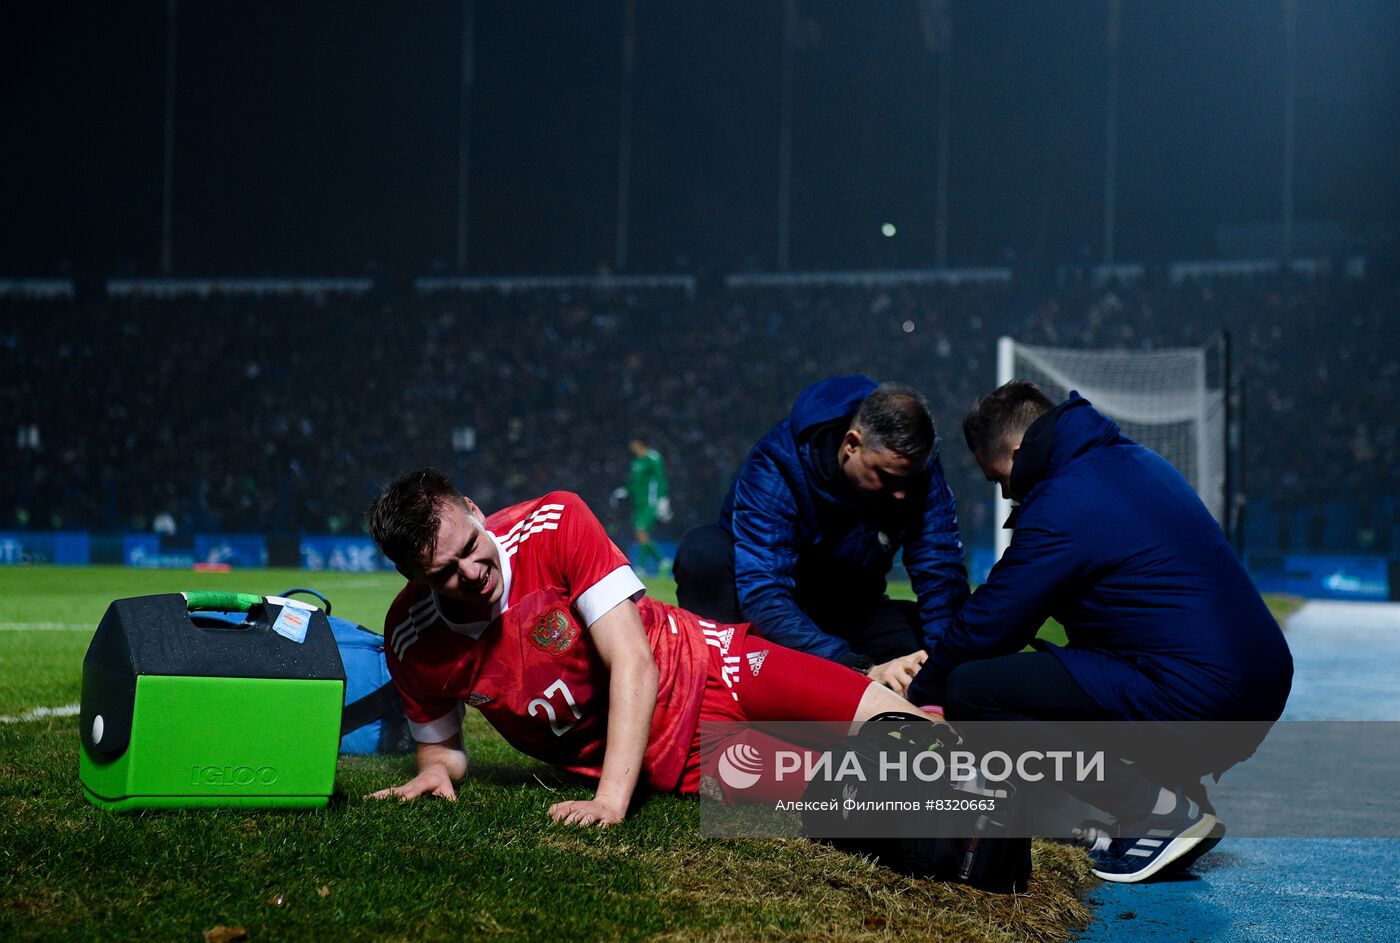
point(532, 670)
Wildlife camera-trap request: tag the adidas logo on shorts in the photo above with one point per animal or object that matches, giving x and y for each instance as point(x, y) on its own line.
point(756, 661)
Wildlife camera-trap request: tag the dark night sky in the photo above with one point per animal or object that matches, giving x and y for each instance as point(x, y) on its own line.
point(313, 138)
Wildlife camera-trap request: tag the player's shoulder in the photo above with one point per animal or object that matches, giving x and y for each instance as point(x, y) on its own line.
point(553, 502)
point(565, 499)
point(412, 603)
point(549, 508)
point(544, 517)
point(411, 594)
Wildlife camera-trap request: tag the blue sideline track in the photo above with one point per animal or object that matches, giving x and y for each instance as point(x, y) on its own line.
point(1258, 890)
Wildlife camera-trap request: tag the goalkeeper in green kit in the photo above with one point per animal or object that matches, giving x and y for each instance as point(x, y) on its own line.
point(650, 496)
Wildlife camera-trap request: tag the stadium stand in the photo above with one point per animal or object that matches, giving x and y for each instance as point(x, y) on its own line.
point(279, 411)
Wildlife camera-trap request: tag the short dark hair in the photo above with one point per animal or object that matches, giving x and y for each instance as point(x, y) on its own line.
point(896, 417)
point(404, 518)
point(1002, 414)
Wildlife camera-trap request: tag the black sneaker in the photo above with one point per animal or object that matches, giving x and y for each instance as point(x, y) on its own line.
point(1159, 841)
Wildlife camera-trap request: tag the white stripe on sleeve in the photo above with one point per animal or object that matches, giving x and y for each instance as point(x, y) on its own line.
point(600, 598)
point(436, 731)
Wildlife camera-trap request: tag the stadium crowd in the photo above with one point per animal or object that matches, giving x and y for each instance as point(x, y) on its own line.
point(283, 413)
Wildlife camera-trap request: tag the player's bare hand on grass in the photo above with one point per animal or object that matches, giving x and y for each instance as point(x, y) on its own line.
point(896, 673)
point(433, 781)
point(586, 812)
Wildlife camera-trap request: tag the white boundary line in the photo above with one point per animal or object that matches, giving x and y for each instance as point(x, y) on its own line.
point(39, 713)
point(1339, 615)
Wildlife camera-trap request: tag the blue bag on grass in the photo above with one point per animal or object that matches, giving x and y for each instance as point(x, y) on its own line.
point(372, 720)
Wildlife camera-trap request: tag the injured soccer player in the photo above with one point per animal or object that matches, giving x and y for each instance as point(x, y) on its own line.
point(535, 618)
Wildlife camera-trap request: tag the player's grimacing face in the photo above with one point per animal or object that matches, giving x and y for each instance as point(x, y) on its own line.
point(465, 564)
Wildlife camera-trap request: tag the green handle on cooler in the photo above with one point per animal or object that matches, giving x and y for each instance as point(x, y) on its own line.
point(208, 599)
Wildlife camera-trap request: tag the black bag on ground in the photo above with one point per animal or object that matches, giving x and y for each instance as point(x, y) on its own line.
point(976, 836)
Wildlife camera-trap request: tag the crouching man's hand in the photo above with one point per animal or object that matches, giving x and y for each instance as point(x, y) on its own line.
point(587, 812)
point(896, 673)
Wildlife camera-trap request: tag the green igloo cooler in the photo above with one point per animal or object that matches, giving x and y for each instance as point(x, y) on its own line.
point(210, 699)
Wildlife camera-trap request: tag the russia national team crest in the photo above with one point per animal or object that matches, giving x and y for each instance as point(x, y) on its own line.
point(554, 632)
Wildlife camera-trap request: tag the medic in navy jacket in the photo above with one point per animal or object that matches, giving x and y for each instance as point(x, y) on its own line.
point(811, 553)
point(1163, 621)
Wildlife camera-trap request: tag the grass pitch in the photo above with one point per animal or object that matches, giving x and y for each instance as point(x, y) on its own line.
point(490, 866)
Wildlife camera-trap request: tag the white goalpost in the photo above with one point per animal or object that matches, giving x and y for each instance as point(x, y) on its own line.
point(1161, 398)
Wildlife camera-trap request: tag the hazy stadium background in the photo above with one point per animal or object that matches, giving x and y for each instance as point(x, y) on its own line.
point(918, 179)
point(256, 258)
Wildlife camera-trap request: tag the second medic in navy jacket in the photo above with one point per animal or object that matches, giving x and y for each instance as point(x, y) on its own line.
point(812, 525)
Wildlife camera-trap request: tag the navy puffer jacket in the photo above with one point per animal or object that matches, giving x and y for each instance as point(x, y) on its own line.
point(1162, 619)
point(806, 554)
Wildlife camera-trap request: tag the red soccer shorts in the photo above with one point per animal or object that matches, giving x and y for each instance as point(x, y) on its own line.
point(753, 680)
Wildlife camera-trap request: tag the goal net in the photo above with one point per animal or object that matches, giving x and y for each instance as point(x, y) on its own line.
point(1161, 399)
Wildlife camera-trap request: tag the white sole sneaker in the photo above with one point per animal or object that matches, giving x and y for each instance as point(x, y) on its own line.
point(1159, 851)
